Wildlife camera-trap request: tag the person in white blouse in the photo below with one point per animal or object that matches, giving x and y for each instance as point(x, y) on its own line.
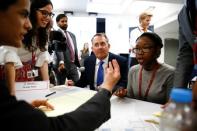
point(144, 22)
point(13, 27)
point(33, 53)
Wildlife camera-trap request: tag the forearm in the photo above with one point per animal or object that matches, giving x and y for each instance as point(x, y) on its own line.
point(10, 77)
point(44, 71)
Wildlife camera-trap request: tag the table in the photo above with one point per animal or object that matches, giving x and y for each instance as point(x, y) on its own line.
point(126, 114)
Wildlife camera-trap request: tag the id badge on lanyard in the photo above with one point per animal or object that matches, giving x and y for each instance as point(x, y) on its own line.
point(34, 71)
point(28, 72)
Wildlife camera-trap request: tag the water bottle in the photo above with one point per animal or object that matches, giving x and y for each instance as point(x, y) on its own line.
point(178, 115)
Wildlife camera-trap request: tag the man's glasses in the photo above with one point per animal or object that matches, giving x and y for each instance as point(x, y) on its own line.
point(142, 50)
point(46, 13)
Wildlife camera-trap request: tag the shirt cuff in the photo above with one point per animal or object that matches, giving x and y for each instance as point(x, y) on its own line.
point(61, 62)
point(108, 93)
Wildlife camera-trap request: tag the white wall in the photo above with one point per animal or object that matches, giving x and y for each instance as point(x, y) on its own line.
point(117, 30)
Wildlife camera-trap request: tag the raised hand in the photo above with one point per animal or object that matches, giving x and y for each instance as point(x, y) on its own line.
point(112, 75)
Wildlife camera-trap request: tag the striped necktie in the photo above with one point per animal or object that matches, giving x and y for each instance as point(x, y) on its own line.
point(72, 54)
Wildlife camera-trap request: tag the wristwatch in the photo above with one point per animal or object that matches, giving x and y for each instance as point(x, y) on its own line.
point(109, 94)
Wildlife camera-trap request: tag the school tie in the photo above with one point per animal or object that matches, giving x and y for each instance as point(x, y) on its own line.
point(100, 74)
point(72, 55)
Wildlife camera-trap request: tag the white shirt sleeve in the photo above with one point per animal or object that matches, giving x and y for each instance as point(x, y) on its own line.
point(135, 33)
point(8, 54)
point(43, 57)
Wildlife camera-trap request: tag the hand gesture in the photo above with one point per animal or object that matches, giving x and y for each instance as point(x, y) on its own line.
point(112, 75)
point(61, 67)
point(69, 83)
point(121, 92)
point(38, 103)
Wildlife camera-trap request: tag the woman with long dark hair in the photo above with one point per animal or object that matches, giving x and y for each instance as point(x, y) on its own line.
point(33, 53)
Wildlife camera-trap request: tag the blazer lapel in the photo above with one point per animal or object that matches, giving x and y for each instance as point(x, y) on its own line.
point(92, 64)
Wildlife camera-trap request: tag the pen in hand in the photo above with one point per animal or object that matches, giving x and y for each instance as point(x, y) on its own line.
point(50, 94)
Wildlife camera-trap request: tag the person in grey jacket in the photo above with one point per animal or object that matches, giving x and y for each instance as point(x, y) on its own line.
point(185, 63)
point(66, 52)
point(186, 66)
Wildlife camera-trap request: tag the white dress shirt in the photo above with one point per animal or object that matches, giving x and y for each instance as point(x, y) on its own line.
point(97, 66)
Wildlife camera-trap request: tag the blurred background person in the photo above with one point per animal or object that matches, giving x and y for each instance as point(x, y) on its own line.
point(144, 22)
point(84, 53)
point(66, 52)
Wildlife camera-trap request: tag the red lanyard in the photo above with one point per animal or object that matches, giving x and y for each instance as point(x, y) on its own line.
point(33, 58)
point(150, 82)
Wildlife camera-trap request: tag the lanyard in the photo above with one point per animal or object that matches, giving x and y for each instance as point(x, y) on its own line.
point(150, 82)
point(33, 58)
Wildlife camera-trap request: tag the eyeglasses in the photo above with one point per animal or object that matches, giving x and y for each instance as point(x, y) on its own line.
point(46, 13)
point(143, 49)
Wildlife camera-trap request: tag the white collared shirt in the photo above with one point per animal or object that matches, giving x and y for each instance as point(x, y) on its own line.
point(97, 66)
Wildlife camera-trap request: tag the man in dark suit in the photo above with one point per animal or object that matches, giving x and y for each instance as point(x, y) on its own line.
point(66, 52)
point(100, 48)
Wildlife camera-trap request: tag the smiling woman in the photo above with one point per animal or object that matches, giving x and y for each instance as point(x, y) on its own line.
point(34, 54)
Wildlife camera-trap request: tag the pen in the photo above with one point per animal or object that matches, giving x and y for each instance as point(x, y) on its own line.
point(50, 94)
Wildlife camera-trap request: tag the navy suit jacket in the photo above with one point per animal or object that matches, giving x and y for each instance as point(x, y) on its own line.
point(87, 77)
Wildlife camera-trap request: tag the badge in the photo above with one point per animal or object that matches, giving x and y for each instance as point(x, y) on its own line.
point(32, 73)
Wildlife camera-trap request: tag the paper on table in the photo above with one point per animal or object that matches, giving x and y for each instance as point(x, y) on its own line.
point(68, 102)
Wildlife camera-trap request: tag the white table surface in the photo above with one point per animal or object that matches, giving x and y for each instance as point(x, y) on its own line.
point(126, 114)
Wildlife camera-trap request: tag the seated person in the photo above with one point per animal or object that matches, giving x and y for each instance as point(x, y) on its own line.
point(91, 77)
point(149, 80)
